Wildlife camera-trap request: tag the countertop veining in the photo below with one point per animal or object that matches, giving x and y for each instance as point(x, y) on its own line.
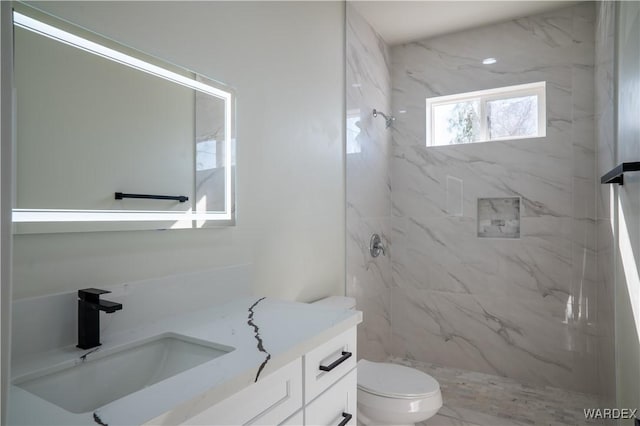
point(266, 334)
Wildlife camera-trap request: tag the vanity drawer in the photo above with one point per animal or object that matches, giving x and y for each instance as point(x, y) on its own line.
point(334, 406)
point(268, 402)
point(332, 356)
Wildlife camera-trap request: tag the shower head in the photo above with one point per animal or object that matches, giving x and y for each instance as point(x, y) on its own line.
point(388, 119)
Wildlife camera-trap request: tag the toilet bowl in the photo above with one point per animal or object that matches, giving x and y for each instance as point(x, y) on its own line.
point(391, 394)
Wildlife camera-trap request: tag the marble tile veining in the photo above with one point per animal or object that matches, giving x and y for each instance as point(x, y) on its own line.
point(522, 307)
point(368, 183)
point(478, 399)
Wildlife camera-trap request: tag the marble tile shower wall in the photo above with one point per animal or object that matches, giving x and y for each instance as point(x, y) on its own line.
point(368, 185)
point(522, 308)
point(604, 119)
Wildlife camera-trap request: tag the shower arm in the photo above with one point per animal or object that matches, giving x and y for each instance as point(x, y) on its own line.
point(388, 119)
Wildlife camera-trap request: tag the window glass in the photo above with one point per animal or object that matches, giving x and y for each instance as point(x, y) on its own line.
point(457, 122)
point(513, 112)
point(512, 117)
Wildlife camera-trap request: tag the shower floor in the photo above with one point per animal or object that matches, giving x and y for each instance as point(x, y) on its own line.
point(472, 399)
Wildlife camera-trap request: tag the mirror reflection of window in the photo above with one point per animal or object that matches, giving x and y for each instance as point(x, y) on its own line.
point(206, 155)
point(354, 145)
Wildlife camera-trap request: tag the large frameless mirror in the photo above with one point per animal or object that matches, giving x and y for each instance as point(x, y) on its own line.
point(109, 138)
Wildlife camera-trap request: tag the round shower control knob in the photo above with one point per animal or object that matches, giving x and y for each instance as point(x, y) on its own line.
point(375, 246)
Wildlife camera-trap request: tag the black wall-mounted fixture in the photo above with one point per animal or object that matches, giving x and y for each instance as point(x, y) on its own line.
point(616, 175)
point(181, 198)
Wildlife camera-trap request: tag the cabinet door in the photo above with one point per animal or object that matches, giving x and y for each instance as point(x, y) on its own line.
point(296, 420)
point(336, 404)
point(269, 402)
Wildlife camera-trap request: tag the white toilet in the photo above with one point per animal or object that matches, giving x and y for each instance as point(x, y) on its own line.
point(391, 394)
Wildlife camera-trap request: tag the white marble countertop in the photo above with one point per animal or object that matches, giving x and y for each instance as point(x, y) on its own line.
point(287, 329)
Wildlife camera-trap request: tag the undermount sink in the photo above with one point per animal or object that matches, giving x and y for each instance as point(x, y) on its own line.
point(110, 375)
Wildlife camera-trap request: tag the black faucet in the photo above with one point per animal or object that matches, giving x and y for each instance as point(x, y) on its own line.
point(89, 307)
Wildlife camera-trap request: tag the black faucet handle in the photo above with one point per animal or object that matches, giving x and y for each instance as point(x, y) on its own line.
point(91, 294)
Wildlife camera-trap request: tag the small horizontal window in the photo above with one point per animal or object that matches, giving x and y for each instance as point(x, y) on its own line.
point(513, 112)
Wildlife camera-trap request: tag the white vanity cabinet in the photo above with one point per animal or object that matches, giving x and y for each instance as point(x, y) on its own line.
point(336, 405)
point(267, 402)
point(318, 388)
point(330, 396)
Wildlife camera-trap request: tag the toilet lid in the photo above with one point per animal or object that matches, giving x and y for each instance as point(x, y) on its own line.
point(395, 381)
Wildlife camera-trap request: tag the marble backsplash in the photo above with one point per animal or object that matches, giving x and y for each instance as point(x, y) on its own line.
point(522, 308)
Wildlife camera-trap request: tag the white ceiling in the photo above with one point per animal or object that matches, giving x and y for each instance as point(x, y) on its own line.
point(400, 21)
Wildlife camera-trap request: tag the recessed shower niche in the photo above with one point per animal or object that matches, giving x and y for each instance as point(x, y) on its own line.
point(499, 217)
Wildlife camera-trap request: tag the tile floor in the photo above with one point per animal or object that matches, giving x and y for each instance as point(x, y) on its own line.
point(472, 399)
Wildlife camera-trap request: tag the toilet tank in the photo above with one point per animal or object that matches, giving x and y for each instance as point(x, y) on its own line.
point(337, 302)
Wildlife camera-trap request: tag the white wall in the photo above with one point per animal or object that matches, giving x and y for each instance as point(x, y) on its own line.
point(285, 60)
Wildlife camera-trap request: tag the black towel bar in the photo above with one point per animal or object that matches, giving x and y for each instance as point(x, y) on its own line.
point(181, 198)
point(616, 175)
